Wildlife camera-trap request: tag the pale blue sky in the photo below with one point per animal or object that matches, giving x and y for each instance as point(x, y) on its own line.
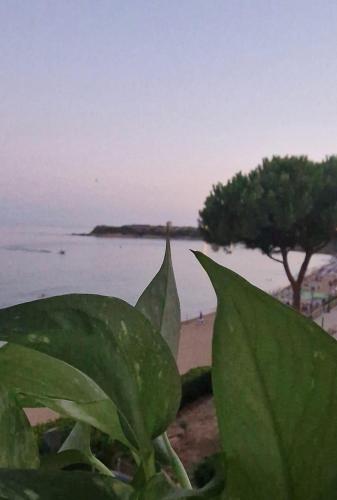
point(128, 111)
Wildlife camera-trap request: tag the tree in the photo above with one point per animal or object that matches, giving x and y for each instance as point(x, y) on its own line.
point(285, 204)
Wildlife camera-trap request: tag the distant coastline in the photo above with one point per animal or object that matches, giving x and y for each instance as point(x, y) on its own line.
point(144, 231)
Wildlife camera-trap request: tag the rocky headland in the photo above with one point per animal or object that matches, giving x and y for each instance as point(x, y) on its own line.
point(145, 231)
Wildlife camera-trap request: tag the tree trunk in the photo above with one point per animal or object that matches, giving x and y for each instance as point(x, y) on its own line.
point(296, 295)
point(296, 284)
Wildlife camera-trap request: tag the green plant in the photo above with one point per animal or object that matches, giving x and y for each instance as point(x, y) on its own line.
point(104, 364)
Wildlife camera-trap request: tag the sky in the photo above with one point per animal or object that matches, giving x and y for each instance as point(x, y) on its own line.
point(128, 111)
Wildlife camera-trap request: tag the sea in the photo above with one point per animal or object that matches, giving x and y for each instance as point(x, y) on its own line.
point(41, 261)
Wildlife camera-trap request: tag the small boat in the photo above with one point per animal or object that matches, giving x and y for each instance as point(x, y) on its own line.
point(62, 252)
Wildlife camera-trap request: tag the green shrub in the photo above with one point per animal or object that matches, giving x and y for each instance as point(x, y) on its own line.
point(196, 383)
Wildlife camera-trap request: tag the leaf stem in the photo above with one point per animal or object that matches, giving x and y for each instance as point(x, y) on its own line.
point(149, 466)
point(101, 467)
point(176, 463)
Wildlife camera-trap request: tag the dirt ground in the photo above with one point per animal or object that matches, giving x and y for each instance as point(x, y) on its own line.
point(194, 434)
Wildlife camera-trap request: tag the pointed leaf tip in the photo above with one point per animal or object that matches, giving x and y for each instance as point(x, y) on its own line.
point(213, 269)
point(159, 303)
point(204, 260)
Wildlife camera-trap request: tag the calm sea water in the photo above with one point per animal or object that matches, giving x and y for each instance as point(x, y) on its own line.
point(32, 267)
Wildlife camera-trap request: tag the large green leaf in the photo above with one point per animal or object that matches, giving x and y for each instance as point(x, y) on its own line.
point(275, 387)
point(114, 344)
point(160, 303)
point(18, 445)
point(53, 383)
point(37, 485)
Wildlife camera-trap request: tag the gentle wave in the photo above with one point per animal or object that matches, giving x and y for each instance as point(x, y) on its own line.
point(18, 248)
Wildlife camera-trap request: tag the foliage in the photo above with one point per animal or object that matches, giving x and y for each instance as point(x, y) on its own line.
point(284, 204)
point(105, 365)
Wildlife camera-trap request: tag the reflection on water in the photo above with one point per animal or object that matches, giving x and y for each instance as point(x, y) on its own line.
point(32, 266)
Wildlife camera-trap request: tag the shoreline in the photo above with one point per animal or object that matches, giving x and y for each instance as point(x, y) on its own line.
point(139, 237)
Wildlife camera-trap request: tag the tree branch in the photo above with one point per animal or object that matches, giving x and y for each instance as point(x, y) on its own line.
point(274, 258)
point(285, 262)
point(304, 267)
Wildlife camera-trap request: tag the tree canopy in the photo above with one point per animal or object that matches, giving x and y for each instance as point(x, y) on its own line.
point(286, 203)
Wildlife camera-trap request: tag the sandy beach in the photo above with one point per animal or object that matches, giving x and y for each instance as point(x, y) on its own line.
point(196, 335)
